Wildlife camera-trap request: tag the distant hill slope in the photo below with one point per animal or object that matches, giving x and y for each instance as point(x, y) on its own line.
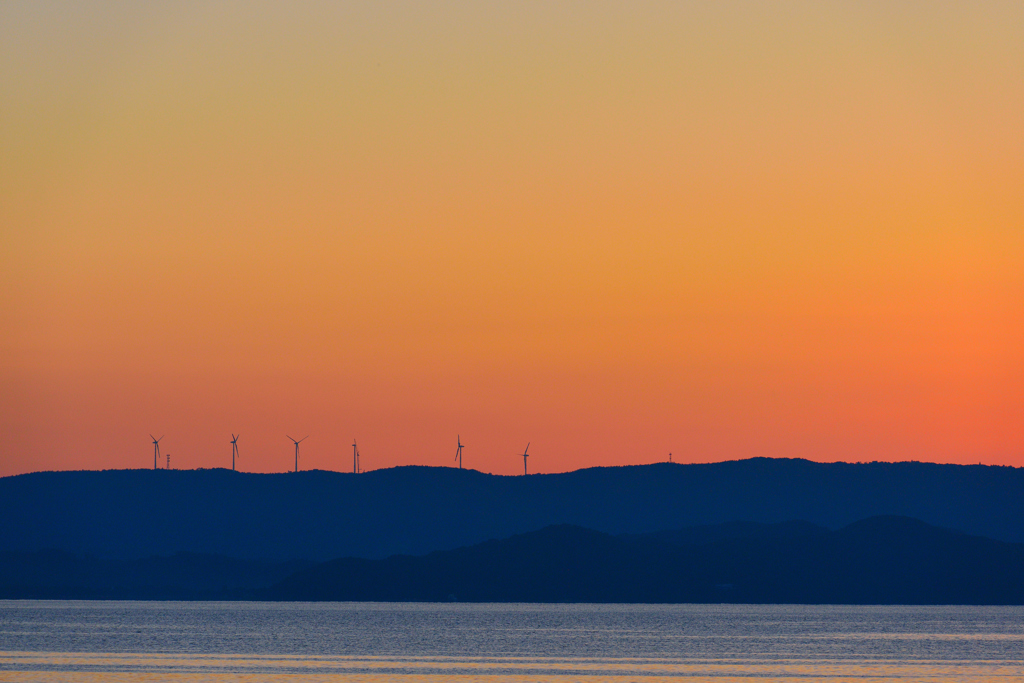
point(878, 560)
point(55, 574)
point(882, 560)
point(321, 515)
point(712, 533)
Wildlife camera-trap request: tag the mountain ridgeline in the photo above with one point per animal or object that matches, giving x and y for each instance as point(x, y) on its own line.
point(881, 560)
point(317, 515)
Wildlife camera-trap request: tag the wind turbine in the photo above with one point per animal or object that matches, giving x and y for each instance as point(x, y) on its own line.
point(234, 450)
point(525, 456)
point(458, 453)
point(156, 449)
point(355, 457)
point(297, 449)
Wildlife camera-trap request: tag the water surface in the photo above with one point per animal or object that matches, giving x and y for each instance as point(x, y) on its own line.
point(71, 641)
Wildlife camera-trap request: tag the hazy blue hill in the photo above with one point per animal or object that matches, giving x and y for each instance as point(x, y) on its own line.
point(561, 563)
point(897, 559)
point(186, 576)
point(320, 515)
point(710, 533)
point(883, 560)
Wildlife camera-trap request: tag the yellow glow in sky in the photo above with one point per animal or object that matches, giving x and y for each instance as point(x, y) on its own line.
point(613, 230)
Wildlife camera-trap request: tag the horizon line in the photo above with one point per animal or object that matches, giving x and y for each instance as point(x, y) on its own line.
point(536, 474)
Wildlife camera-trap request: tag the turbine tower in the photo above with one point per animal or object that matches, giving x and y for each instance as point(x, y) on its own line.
point(234, 450)
point(297, 449)
point(458, 453)
point(156, 449)
point(525, 456)
point(355, 457)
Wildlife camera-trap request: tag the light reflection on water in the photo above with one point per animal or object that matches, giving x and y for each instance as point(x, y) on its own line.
point(78, 642)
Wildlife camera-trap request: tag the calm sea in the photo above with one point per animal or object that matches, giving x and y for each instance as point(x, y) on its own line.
point(278, 642)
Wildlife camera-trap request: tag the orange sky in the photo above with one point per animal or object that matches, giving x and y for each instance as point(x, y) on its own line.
point(613, 230)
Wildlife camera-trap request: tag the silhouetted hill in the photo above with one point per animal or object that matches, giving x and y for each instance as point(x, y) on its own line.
point(710, 533)
point(883, 560)
point(319, 515)
point(556, 564)
point(57, 574)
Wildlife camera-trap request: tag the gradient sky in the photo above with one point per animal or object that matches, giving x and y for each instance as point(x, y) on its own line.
point(614, 230)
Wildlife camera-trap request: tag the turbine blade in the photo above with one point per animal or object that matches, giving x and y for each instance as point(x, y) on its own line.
point(290, 438)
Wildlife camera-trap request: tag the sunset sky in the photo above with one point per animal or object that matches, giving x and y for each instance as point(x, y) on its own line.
point(613, 230)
